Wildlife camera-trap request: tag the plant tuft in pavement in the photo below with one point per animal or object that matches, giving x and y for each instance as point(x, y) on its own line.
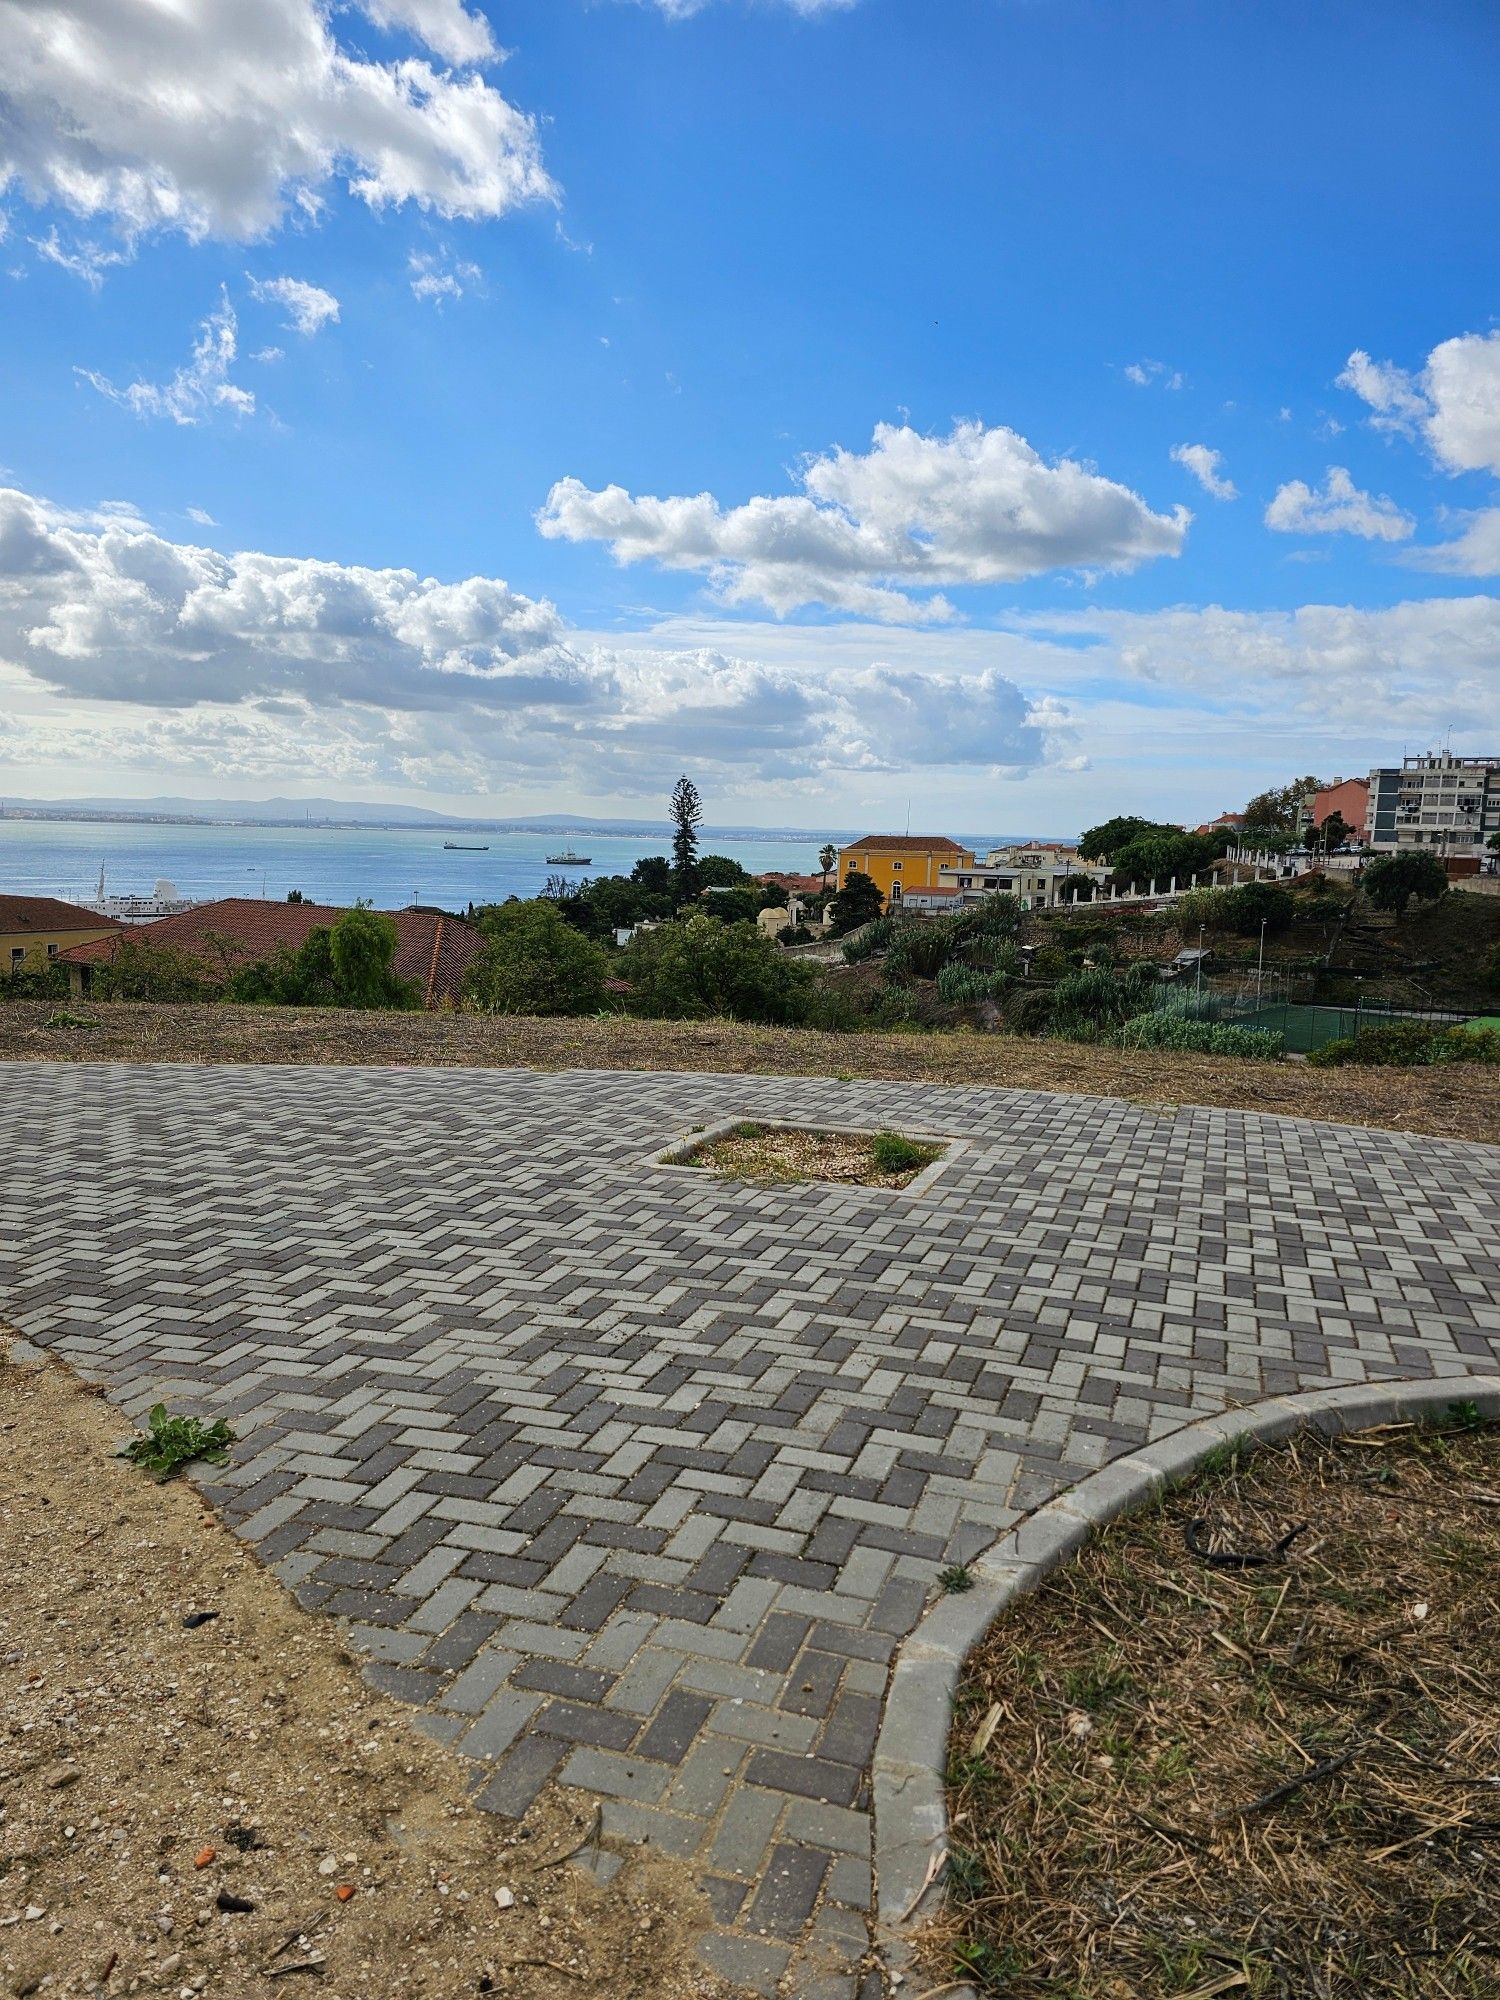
point(173, 1442)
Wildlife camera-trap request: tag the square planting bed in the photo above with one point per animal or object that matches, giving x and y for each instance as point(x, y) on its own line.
point(769, 1152)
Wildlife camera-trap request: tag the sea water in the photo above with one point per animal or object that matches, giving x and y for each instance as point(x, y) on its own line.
point(390, 867)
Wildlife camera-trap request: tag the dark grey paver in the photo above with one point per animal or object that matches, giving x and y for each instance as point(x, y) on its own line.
point(643, 1477)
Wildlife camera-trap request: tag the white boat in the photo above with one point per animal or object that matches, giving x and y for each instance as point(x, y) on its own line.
point(568, 859)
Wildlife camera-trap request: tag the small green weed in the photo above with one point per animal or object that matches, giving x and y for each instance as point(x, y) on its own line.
point(991, 1970)
point(748, 1129)
point(63, 1019)
point(895, 1155)
point(1465, 1416)
point(956, 1578)
point(1097, 1683)
point(967, 1875)
point(173, 1442)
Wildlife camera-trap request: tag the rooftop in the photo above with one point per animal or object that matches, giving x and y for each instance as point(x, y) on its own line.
point(48, 913)
point(433, 949)
point(907, 843)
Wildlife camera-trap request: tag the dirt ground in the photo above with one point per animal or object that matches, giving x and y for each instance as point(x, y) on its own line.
point(776, 1153)
point(1170, 1774)
point(155, 1779)
point(1462, 1102)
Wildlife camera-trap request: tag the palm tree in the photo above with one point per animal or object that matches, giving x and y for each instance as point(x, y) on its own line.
point(827, 856)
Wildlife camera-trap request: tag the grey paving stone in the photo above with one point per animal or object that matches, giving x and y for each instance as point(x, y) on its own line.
point(558, 1431)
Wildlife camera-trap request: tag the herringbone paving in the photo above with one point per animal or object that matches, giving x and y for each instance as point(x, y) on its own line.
point(636, 1478)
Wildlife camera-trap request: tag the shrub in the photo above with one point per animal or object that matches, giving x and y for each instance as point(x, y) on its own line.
point(535, 962)
point(1202, 909)
point(351, 964)
point(967, 985)
point(142, 971)
point(874, 937)
point(697, 968)
point(918, 950)
point(1170, 1030)
point(1104, 997)
point(1409, 1045)
point(35, 982)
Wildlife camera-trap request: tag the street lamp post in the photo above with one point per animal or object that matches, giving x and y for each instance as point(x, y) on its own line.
point(1199, 995)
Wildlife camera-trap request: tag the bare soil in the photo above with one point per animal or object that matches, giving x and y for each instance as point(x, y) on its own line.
point(154, 1778)
point(1455, 1102)
point(777, 1153)
point(1169, 1775)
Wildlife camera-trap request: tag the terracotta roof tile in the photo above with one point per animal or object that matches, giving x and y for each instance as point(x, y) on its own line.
point(434, 950)
point(907, 843)
point(46, 913)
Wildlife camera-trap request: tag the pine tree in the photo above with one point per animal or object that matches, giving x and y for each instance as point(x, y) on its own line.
point(686, 810)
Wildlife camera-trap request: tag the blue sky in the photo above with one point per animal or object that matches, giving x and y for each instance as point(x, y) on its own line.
point(661, 252)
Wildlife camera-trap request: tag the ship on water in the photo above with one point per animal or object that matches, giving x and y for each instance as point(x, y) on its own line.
point(568, 859)
point(466, 847)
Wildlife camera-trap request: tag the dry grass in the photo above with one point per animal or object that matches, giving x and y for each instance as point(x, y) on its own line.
point(1457, 1102)
point(774, 1153)
point(1169, 1777)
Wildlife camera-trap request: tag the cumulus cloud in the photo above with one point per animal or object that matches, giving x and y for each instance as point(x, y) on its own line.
point(453, 685)
point(214, 117)
point(979, 506)
point(1338, 507)
point(1454, 402)
point(201, 386)
point(437, 275)
point(1204, 463)
point(309, 307)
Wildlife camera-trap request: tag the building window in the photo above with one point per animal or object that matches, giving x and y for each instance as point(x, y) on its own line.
point(895, 867)
point(17, 956)
point(53, 949)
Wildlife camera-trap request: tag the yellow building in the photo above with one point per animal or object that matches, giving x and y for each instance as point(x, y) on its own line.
point(896, 862)
point(34, 929)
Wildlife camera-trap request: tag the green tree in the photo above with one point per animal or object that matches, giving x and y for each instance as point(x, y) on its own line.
point(295, 896)
point(1280, 809)
point(141, 970)
point(696, 968)
point(653, 873)
point(1333, 833)
point(732, 906)
point(362, 955)
point(535, 962)
point(827, 857)
point(858, 902)
point(1102, 843)
point(686, 810)
point(718, 871)
point(1162, 855)
point(1392, 880)
point(1257, 903)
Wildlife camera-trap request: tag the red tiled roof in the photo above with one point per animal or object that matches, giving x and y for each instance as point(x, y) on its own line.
point(46, 913)
point(907, 843)
point(434, 950)
point(941, 889)
point(806, 885)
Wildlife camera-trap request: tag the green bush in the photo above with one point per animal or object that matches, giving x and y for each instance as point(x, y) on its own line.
point(698, 968)
point(1257, 903)
point(1104, 997)
point(535, 962)
point(35, 982)
point(351, 964)
point(1391, 880)
point(1169, 1030)
point(139, 970)
point(1409, 1045)
point(1202, 909)
point(874, 937)
point(918, 950)
point(967, 985)
point(895, 1155)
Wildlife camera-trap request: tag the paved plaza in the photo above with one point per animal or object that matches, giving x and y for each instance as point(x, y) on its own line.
point(635, 1478)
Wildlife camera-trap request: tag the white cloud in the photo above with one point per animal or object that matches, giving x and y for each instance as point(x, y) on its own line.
point(1144, 373)
point(201, 386)
point(682, 10)
point(244, 660)
point(213, 117)
point(438, 275)
point(1339, 507)
point(977, 507)
point(1204, 463)
point(83, 259)
point(1454, 402)
point(310, 308)
point(1476, 552)
point(202, 516)
point(444, 26)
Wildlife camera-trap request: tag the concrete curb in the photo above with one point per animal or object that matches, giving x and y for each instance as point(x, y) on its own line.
point(675, 1158)
point(911, 1821)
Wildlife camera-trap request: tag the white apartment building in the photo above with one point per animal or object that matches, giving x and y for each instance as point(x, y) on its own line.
point(1035, 875)
point(1446, 804)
